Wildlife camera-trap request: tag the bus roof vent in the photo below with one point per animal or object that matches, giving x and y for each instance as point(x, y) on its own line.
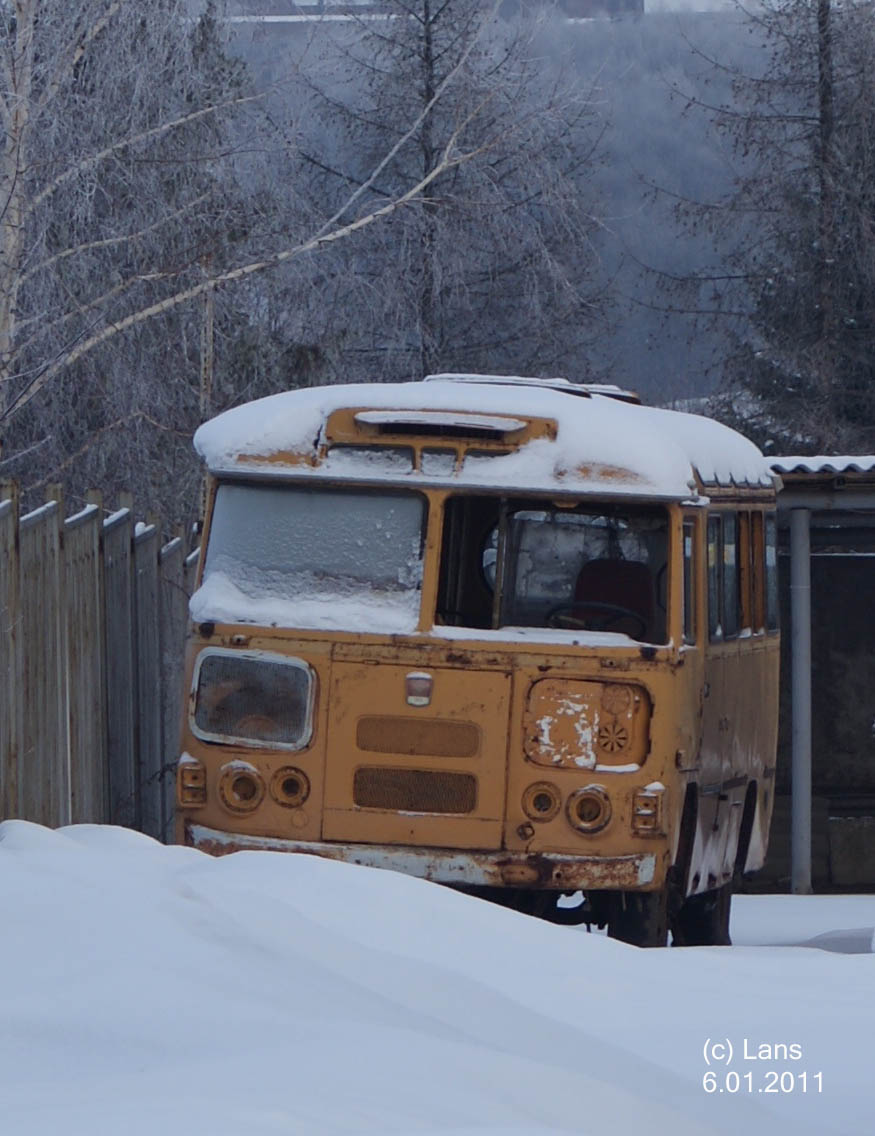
point(440, 423)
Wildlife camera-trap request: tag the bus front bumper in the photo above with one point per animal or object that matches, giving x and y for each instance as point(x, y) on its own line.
point(446, 866)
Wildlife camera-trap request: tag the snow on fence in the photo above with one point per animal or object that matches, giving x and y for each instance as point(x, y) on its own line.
point(93, 614)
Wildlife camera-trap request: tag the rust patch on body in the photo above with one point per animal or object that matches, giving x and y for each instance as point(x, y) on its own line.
point(635, 872)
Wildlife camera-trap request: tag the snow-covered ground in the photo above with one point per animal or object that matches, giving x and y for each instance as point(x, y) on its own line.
point(151, 990)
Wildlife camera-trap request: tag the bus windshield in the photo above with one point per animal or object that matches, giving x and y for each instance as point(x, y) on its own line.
point(313, 557)
point(596, 567)
point(597, 570)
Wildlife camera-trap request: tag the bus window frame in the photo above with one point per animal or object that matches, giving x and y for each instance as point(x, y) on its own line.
point(744, 570)
point(726, 588)
point(772, 626)
point(714, 577)
point(717, 564)
point(757, 569)
point(690, 629)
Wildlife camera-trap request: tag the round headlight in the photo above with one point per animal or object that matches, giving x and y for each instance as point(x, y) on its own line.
point(241, 788)
point(541, 801)
point(589, 809)
point(290, 787)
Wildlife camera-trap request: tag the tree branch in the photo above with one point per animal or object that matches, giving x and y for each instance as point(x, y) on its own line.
point(447, 162)
point(155, 132)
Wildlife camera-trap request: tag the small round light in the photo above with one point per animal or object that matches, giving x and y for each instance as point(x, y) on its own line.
point(541, 801)
point(290, 787)
point(589, 809)
point(241, 790)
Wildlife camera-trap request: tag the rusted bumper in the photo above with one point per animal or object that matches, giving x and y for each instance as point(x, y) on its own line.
point(445, 866)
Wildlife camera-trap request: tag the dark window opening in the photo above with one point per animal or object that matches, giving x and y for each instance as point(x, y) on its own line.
point(466, 590)
point(723, 576)
point(595, 567)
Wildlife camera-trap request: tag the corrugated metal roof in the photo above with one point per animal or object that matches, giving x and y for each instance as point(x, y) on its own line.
point(824, 463)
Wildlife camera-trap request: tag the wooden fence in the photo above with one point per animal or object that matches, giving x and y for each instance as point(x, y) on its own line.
point(93, 615)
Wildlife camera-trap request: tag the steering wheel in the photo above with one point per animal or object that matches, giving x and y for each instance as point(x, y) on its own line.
point(571, 614)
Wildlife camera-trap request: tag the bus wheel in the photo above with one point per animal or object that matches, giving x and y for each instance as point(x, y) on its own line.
point(640, 918)
point(703, 920)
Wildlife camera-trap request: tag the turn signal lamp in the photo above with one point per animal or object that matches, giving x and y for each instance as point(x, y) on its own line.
point(191, 782)
point(647, 811)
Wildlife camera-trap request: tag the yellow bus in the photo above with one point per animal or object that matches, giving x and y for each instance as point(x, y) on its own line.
point(516, 636)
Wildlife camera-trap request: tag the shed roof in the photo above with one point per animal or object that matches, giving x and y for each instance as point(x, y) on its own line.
point(824, 463)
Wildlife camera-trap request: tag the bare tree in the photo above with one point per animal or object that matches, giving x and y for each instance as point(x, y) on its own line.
point(494, 268)
point(798, 231)
point(125, 205)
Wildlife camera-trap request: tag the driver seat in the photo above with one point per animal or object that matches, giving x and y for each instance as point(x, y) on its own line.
point(618, 583)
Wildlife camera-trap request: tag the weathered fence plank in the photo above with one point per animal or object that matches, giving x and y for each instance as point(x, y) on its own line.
point(43, 772)
point(174, 609)
point(10, 682)
point(93, 618)
point(148, 656)
point(192, 561)
point(86, 696)
point(120, 674)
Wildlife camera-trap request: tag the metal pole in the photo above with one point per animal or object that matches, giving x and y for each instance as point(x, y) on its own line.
point(800, 647)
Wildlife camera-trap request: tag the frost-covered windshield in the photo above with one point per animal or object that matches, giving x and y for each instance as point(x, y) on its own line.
point(310, 557)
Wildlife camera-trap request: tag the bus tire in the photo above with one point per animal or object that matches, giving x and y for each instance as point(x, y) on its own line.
point(639, 917)
point(703, 920)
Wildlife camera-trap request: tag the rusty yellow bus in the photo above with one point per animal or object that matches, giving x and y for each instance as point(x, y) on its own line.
point(517, 636)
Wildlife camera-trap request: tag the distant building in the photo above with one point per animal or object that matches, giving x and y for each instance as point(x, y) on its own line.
point(571, 9)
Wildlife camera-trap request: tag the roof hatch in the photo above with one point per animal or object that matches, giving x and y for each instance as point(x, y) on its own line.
point(441, 423)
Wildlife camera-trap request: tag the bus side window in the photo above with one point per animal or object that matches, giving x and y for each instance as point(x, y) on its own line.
point(715, 630)
point(730, 575)
point(758, 563)
point(771, 550)
point(745, 582)
point(689, 582)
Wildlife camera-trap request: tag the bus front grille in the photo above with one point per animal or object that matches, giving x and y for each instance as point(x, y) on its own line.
point(419, 737)
point(414, 790)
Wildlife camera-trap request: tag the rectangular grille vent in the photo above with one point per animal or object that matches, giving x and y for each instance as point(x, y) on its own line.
point(419, 737)
point(415, 790)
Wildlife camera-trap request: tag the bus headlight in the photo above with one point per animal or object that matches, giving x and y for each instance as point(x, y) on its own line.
point(588, 809)
point(241, 787)
point(253, 698)
point(290, 787)
point(541, 801)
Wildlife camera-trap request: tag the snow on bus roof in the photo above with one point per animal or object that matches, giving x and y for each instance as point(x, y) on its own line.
point(602, 444)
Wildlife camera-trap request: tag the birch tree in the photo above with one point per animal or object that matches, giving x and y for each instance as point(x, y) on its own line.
point(127, 208)
point(112, 195)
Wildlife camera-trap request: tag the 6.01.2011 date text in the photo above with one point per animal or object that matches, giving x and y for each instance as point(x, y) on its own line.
point(770, 1081)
